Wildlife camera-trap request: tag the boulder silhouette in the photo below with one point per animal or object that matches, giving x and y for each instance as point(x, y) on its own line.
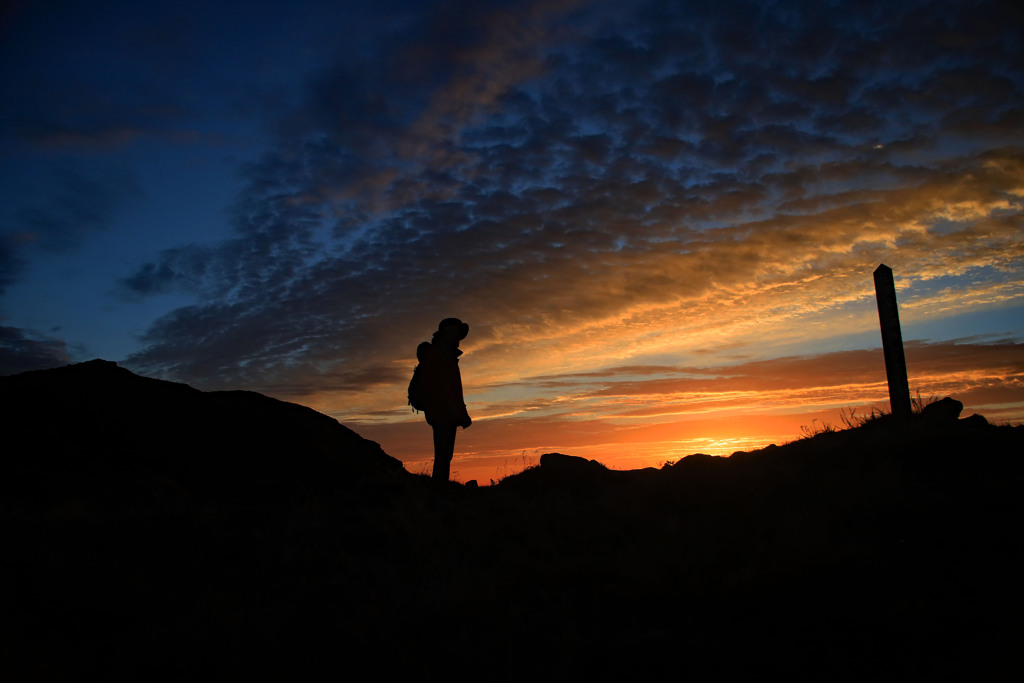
point(944, 411)
point(569, 463)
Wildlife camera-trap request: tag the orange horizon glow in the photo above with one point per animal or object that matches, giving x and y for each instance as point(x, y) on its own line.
point(648, 423)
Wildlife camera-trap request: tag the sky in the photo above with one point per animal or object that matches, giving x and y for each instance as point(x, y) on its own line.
point(660, 219)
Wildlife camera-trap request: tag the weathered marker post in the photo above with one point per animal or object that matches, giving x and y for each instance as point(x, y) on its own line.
point(892, 342)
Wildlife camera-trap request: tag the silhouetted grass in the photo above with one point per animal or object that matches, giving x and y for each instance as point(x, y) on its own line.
point(849, 419)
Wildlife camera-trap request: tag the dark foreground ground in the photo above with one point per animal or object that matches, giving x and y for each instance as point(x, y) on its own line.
point(154, 532)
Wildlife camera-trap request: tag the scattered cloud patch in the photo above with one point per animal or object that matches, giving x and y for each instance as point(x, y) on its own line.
point(22, 350)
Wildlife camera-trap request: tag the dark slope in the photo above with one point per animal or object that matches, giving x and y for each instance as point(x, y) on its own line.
point(883, 552)
point(886, 552)
point(67, 426)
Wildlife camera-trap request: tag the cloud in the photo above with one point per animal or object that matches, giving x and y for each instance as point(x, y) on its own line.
point(105, 137)
point(57, 211)
point(11, 263)
point(798, 381)
point(20, 352)
point(590, 187)
point(177, 269)
point(80, 200)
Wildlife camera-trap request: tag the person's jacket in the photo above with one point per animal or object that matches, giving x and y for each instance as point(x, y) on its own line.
point(443, 386)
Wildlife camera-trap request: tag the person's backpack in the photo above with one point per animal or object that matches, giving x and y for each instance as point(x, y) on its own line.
point(417, 390)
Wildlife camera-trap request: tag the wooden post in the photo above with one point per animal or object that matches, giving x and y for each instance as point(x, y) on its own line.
point(892, 342)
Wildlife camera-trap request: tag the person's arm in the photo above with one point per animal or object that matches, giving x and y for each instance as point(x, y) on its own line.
point(462, 417)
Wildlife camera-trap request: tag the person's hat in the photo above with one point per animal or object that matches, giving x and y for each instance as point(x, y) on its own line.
point(449, 322)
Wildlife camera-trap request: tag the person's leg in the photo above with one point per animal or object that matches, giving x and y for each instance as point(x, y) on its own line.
point(444, 448)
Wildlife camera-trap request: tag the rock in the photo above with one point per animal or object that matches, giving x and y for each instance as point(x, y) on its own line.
point(569, 463)
point(700, 460)
point(975, 422)
point(946, 410)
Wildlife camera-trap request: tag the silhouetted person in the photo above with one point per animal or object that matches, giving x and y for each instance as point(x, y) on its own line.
point(444, 406)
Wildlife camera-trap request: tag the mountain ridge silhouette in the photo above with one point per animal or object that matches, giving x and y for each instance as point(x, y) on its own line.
point(99, 414)
point(184, 548)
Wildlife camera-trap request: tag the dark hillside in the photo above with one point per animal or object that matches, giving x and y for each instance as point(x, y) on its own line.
point(154, 532)
point(97, 420)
